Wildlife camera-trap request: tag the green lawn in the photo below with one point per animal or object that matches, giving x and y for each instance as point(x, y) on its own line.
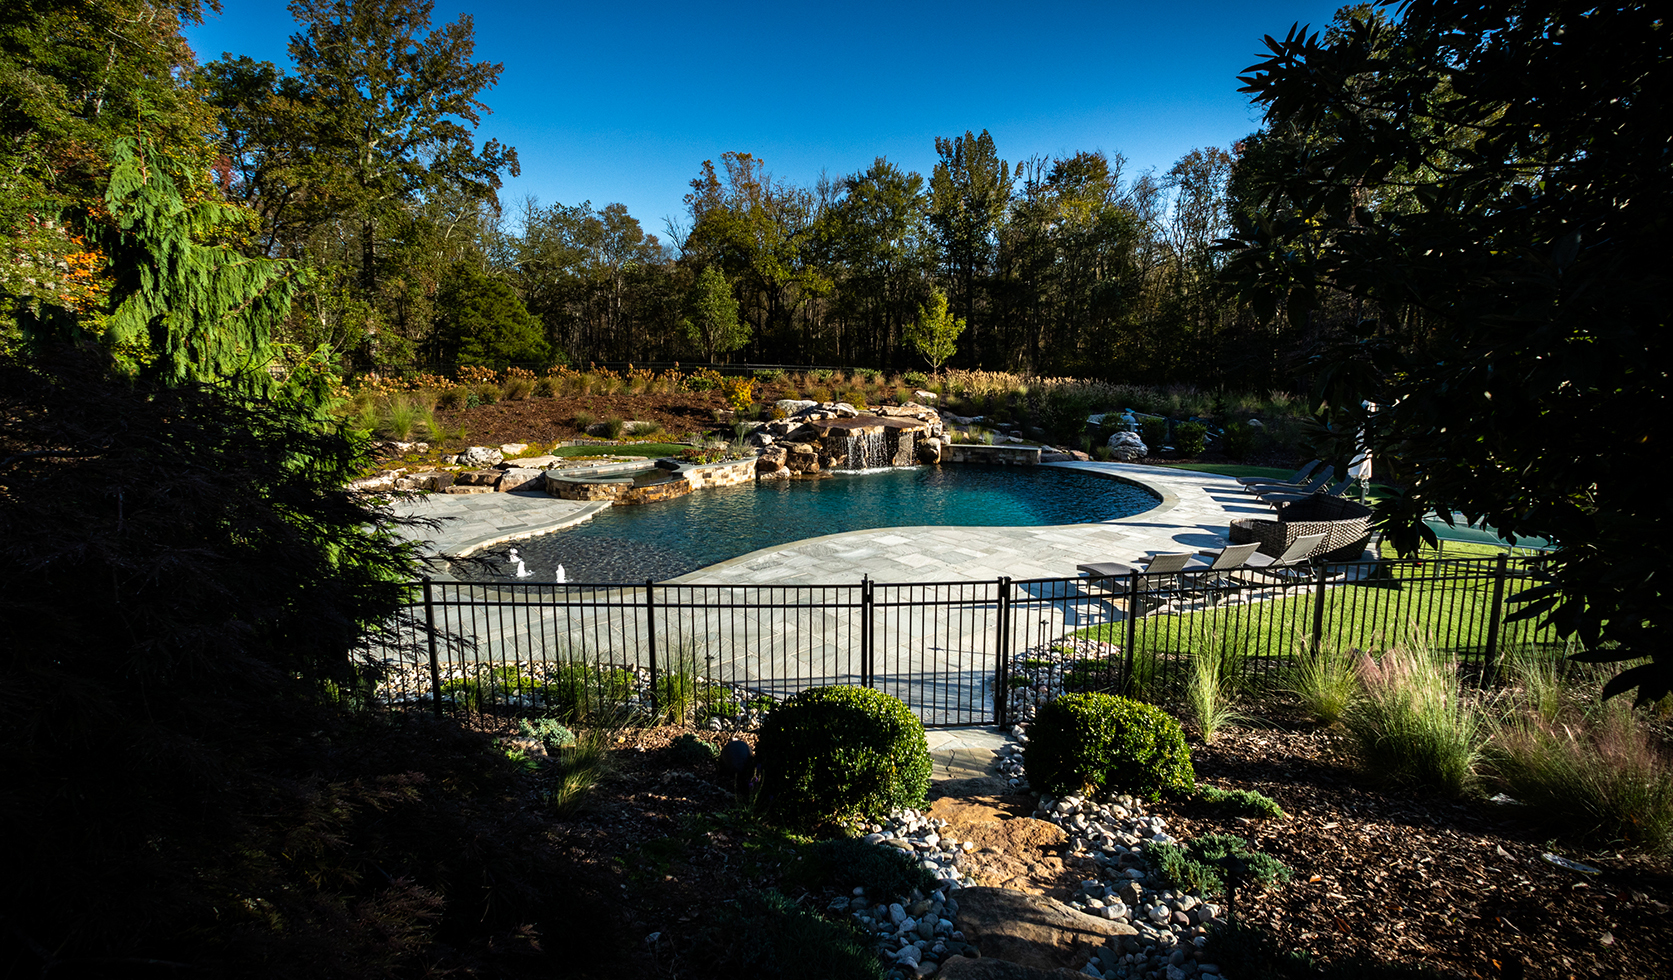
point(648, 450)
point(1442, 607)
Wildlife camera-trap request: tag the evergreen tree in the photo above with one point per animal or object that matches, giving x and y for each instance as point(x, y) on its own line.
point(1490, 184)
point(481, 321)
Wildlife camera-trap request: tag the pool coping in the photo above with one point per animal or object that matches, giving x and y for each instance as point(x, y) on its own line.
point(1166, 501)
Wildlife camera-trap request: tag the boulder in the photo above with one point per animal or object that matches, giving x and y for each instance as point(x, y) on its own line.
point(843, 410)
point(513, 448)
point(522, 478)
point(477, 478)
point(790, 406)
point(1010, 850)
point(1127, 446)
point(986, 968)
point(925, 396)
point(759, 439)
point(480, 456)
point(432, 480)
point(802, 458)
point(771, 458)
point(382, 481)
point(929, 451)
point(533, 462)
point(1032, 930)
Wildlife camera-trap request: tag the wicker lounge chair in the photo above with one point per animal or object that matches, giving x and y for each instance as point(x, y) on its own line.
point(1346, 524)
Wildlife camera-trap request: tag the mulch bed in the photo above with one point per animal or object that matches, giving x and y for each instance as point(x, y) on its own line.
point(1403, 876)
point(539, 420)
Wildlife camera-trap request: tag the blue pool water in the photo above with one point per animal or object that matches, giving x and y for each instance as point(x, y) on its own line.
point(661, 540)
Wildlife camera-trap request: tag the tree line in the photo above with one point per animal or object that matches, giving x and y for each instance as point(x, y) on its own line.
point(362, 166)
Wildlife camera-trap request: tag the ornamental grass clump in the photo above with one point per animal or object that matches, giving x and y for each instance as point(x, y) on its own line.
point(1594, 767)
point(1412, 726)
point(1326, 680)
point(405, 415)
point(1210, 690)
point(831, 752)
point(1085, 743)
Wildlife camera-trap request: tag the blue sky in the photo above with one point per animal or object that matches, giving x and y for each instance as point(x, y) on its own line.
point(623, 101)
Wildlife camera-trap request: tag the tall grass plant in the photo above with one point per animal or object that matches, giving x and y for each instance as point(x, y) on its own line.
point(1412, 726)
point(1597, 767)
point(1326, 680)
point(1210, 691)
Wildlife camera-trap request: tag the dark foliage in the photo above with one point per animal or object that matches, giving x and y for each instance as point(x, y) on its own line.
point(886, 873)
point(182, 581)
point(1490, 184)
point(766, 935)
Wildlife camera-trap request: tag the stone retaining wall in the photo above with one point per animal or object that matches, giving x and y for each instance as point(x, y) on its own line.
point(727, 474)
point(970, 452)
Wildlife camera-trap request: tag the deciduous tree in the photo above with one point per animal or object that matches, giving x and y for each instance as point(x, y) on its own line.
point(935, 332)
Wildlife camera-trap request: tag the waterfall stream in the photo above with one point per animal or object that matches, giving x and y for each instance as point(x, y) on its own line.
point(864, 451)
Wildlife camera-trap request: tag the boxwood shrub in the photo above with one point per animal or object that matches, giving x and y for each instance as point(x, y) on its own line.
point(1083, 743)
point(830, 752)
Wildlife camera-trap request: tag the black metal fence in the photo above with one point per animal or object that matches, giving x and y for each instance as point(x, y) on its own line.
point(959, 653)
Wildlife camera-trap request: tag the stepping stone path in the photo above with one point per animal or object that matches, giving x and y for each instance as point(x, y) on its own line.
point(1000, 854)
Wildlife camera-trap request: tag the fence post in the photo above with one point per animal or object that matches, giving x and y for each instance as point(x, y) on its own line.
point(865, 632)
point(1002, 682)
point(430, 634)
point(650, 632)
point(1132, 629)
point(1490, 671)
point(1318, 608)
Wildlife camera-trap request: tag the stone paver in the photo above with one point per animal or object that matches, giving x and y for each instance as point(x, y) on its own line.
point(964, 753)
point(468, 522)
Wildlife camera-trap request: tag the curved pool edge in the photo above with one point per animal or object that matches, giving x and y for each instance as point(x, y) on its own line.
point(1168, 500)
point(502, 527)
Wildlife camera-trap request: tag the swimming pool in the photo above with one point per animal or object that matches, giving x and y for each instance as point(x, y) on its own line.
point(669, 538)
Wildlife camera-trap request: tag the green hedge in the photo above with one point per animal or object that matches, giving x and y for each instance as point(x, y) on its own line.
point(833, 751)
point(1083, 743)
